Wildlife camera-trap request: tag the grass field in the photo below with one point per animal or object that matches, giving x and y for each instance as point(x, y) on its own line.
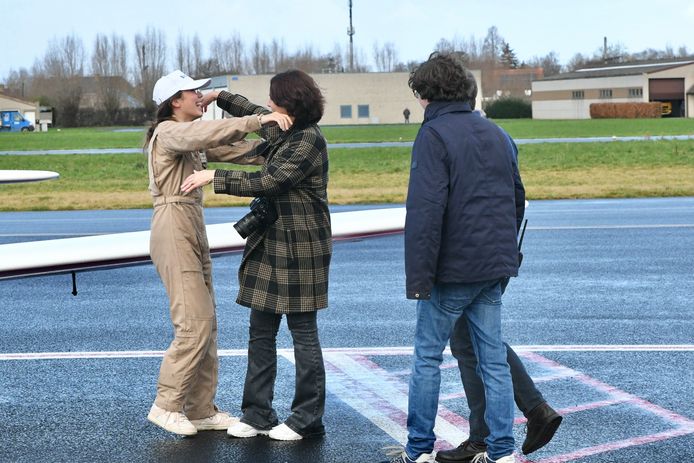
point(109, 137)
point(379, 175)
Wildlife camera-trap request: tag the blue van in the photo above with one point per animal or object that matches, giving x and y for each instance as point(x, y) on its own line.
point(13, 121)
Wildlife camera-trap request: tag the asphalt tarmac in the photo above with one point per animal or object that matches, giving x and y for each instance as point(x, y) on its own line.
point(602, 314)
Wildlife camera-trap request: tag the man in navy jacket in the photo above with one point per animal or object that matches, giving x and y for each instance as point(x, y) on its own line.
point(464, 204)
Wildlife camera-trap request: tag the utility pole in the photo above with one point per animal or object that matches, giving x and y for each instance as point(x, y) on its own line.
point(350, 32)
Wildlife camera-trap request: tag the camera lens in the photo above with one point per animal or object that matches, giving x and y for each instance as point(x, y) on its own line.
point(247, 224)
point(261, 215)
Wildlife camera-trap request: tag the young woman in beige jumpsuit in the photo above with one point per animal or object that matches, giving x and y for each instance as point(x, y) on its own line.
point(179, 249)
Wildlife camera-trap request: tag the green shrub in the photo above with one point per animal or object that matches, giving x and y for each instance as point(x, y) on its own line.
point(508, 108)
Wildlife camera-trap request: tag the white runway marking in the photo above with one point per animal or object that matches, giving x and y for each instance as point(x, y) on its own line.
point(355, 351)
point(368, 381)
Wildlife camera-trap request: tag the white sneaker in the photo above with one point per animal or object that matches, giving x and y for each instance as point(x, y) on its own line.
point(174, 422)
point(398, 455)
point(484, 458)
point(220, 421)
point(283, 432)
point(240, 429)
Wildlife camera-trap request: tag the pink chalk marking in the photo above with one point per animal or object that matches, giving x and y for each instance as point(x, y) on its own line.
point(617, 445)
point(385, 408)
point(617, 393)
point(683, 425)
point(445, 413)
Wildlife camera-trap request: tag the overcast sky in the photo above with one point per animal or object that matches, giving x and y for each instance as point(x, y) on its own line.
point(532, 28)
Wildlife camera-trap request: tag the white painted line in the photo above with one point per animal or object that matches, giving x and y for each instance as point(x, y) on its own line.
point(605, 348)
point(355, 377)
point(355, 351)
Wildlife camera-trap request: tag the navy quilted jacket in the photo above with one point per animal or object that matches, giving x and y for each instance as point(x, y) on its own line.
point(465, 201)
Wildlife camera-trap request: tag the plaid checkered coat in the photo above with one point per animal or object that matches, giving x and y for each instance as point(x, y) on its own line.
point(285, 267)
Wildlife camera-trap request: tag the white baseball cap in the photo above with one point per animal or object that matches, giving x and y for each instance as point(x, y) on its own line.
point(170, 84)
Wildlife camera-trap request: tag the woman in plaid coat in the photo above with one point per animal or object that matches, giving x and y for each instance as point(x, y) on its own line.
point(285, 264)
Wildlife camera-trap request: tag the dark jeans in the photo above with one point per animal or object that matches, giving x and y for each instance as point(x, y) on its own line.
point(309, 393)
point(525, 393)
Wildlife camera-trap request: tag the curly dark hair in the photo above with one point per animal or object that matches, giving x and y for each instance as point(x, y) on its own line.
point(443, 78)
point(297, 92)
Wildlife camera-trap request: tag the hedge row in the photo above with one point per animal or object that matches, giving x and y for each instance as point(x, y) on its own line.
point(625, 110)
point(88, 117)
point(508, 108)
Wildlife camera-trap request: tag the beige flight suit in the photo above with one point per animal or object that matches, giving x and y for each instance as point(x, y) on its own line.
point(181, 254)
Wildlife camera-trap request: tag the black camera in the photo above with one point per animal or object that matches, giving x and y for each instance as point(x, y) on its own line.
point(263, 213)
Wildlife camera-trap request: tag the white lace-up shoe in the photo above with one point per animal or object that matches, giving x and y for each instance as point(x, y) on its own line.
point(484, 458)
point(220, 421)
point(174, 422)
point(283, 432)
point(240, 429)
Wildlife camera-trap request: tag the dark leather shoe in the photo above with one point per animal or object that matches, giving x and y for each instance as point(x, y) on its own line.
point(543, 422)
point(465, 452)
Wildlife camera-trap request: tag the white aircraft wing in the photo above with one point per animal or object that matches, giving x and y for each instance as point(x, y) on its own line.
point(23, 176)
point(121, 249)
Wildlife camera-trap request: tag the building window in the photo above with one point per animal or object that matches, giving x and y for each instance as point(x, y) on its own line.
point(605, 93)
point(635, 92)
point(577, 95)
point(346, 111)
point(363, 110)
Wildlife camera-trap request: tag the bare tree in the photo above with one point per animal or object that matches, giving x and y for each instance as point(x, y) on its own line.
point(549, 63)
point(19, 84)
point(307, 59)
point(359, 59)
point(259, 57)
point(189, 56)
point(468, 51)
point(576, 62)
point(60, 81)
point(184, 55)
point(338, 63)
point(229, 54)
point(150, 63)
point(385, 57)
point(492, 45)
point(198, 59)
point(110, 71)
point(278, 55)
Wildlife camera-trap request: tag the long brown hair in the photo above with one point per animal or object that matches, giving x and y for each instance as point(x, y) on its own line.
point(164, 113)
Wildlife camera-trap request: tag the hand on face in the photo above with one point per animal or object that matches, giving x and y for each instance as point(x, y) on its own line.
point(197, 179)
point(208, 98)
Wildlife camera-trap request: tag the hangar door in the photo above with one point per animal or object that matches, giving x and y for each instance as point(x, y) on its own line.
point(670, 92)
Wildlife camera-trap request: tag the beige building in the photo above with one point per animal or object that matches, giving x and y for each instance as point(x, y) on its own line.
point(350, 98)
point(28, 109)
point(568, 96)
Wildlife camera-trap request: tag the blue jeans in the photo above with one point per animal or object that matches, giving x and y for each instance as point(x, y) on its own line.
point(525, 394)
point(480, 304)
